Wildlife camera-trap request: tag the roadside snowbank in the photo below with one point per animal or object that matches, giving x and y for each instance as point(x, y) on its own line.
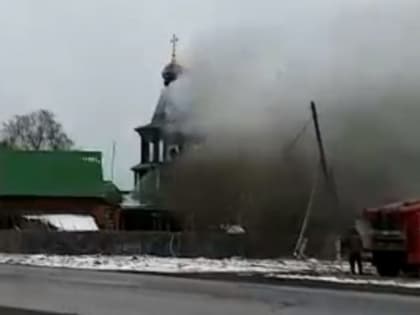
point(177, 265)
point(286, 269)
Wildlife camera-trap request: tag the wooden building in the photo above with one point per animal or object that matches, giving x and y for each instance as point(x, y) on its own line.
point(161, 141)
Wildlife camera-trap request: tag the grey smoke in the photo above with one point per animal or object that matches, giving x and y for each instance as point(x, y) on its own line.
point(362, 69)
point(249, 90)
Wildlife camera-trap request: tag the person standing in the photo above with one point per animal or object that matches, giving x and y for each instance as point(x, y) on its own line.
point(354, 247)
point(355, 254)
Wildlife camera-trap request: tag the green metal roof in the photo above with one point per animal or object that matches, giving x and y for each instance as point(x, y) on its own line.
point(51, 173)
point(112, 193)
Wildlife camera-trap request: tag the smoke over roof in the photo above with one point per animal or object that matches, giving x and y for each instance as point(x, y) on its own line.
point(249, 91)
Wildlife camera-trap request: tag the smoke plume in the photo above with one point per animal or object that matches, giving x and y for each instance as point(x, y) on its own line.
point(248, 90)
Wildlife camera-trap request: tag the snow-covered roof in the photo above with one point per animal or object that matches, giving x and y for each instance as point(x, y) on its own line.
point(67, 222)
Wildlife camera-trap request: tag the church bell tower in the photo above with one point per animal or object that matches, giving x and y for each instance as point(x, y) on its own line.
point(160, 140)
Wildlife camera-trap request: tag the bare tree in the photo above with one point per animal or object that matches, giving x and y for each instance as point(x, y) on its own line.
point(37, 130)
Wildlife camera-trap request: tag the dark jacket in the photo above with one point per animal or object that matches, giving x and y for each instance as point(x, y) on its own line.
point(355, 244)
point(352, 243)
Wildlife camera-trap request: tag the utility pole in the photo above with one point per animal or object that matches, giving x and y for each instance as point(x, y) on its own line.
point(323, 159)
point(329, 177)
point(329, 181)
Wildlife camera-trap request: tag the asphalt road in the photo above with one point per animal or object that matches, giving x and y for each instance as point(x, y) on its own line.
point(58, 291)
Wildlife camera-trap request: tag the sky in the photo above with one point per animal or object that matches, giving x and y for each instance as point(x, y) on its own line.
point(96, 63)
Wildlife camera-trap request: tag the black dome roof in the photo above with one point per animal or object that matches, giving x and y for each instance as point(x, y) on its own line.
point(171, 72)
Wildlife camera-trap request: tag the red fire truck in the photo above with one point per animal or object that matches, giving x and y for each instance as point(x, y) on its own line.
point(393, 237)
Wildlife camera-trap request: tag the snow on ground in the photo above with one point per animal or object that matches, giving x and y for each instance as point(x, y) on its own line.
point(178, 265)
point(288, 269)
point(172, 265)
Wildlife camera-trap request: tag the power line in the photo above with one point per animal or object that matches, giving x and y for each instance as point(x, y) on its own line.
point(298, 136)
